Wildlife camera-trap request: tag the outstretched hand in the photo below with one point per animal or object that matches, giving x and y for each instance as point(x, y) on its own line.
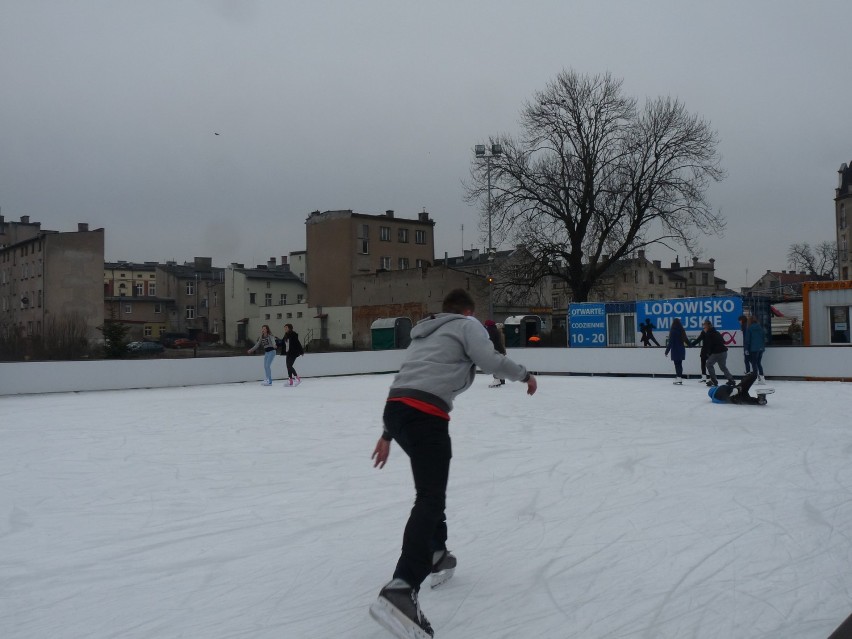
point(381, 453)
point(532, 385)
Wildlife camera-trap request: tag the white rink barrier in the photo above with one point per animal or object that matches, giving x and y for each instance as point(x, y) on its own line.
point(19, 378)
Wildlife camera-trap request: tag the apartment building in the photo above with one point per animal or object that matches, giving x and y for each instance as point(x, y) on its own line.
point(194, 297)
point(49, 277)
point(341, 244)
point(842, 215)
point(267, 294)
point(131, 297)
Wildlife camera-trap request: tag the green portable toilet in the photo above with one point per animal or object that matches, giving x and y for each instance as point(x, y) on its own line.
point(522, 330)
point(391, 332)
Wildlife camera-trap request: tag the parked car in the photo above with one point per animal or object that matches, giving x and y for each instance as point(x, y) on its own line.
point(168, 339)
point(145, 348)
point(184, 342)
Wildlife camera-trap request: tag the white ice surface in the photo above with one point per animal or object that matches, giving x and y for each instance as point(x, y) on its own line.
point(598, 508)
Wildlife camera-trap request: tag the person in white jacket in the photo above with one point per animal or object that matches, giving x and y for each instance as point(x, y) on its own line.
point(267, 342)
point(440, 363)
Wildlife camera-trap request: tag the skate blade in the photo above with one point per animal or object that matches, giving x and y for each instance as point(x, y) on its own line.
point(396, 623)
point(442, 577)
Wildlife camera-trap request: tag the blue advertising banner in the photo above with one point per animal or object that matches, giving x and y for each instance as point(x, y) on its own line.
point(587, 325)
point(692, 311)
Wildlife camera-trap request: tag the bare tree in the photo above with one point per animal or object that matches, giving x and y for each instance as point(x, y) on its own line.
point(820, 259)
point(593, 178)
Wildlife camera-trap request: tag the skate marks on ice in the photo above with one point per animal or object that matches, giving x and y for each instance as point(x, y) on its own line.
point(217, 512)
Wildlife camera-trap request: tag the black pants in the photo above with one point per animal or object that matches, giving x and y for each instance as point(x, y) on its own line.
point(290, 359)
point(426, 440)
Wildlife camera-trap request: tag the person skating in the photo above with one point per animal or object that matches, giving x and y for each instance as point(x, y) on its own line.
point(704, 353)
point(267, 342)
point(499, 341)
point(743, 320)
point(291, 348)
point(735, 394)
point(440, 363)
point(754, 346)
point(717, 354)
point(677, 344)
point(648, 332)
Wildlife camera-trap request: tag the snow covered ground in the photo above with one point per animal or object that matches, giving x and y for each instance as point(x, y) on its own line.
point(600, 507)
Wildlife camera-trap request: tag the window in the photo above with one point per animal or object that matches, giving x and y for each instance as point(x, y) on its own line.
point(299, 298)
point(635, 277)
point(278, 316)
point(147, 331)
point(838, 318)
point(298, 314)
point(842, 221)
point(267, 299)
point(266, 316)
point(190, 287)
point(152, 288)
point(158, 308)
point(252, 297)
point(39, 298)
point(420, 237)
point(650, 277)
point(402, 235)
point(705, 278)
point(289, 316)
point(190, 312)
point(420, 263)
point(385, 263)
point(403, 263)
point(659, 279)
point(282, 299)
point(364, 247)
point(365, 232)
point(140, 289)
point(384, 233)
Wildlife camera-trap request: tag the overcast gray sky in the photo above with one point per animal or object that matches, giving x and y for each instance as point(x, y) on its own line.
point(109, 109)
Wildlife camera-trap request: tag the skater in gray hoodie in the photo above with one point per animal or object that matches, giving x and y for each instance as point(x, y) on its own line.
point(440, 363)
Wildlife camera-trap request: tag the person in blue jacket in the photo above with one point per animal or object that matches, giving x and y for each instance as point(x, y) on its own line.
point(735, 394)
point(754, 345)
point(676, 345)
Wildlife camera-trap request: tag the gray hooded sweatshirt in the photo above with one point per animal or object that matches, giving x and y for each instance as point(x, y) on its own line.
point(442, 358)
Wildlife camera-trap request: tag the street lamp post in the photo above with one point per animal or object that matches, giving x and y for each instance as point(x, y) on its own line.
point(481, 152)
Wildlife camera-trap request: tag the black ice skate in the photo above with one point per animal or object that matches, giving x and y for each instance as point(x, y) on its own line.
point(398, 611)
point(443, 567)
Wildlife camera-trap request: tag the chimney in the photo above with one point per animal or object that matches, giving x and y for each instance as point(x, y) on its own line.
point(270, 263)
point(423, 217)
point(389, 213)
point(695, 261)
point(641, 254)
point(283, 260)
point(712, 263)
point(658, 263)
point(82, 227)
point(25, 219)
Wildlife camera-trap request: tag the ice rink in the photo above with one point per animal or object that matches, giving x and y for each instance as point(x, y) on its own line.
point(599, 508)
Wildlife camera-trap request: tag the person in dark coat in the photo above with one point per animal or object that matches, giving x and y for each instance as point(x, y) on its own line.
point(648, 332)
point(744, 328)
point(754, 345)
point(705, 353)
point(677, 347)
point(718, 354)
point(291, 348)
point(499, 341)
